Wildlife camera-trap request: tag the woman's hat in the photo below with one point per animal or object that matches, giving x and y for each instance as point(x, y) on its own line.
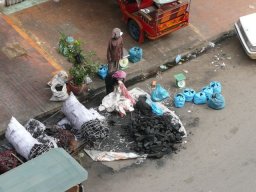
point(116, 33)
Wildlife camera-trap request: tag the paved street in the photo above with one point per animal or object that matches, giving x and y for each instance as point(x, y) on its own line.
point(219, 155)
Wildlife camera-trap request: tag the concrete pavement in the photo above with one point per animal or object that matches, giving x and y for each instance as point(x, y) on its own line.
point(36, 31)
point(23, 76)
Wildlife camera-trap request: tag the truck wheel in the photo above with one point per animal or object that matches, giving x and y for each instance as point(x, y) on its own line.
point(134, 30)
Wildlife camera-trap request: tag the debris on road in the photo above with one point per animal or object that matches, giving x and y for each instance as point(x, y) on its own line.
point(163, 67)
point(219, 61)
point(185, 71)
point(211, 44)
point(178, 59)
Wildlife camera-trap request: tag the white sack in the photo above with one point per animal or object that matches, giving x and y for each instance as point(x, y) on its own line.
point(76, 113)
point(20, 138)
point(60, 95)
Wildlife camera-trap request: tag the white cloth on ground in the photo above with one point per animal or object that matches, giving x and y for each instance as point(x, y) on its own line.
point(116, 101)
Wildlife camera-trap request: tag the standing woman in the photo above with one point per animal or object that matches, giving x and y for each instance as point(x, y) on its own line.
point(115, 50)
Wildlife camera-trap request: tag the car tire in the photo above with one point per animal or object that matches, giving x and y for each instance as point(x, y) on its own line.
point(134, 29)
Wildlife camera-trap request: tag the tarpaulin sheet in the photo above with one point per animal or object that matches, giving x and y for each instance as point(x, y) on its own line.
point(111, 156)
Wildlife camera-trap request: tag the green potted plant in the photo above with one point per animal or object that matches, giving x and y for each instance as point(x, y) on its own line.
point(84, 63)
point(69, 47)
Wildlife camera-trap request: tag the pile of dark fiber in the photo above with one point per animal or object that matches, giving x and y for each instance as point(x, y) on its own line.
point(155, 135)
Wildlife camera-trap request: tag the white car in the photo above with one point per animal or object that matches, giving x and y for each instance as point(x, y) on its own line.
point(246, 31)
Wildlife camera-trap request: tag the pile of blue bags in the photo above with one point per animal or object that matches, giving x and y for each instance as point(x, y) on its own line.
point(210, 95)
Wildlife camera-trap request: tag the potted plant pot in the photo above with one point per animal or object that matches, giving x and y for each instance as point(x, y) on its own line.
point(76, 89)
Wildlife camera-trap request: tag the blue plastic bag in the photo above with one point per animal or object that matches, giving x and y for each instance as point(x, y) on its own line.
point(178, 59)
point(135, 54)
point(103, 71)
point(216, 86)
point(159, 93)
point(208, 91)
point(200, 98)
point(179, 100)
point(216, 101)
point(156, 109)
point(189, 94)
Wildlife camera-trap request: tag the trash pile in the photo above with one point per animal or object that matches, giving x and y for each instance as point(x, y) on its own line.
point(150, 130)
point(164, 129)
point(220, 61)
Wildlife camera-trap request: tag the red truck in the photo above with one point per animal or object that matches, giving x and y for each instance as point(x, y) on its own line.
point(154, 18)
